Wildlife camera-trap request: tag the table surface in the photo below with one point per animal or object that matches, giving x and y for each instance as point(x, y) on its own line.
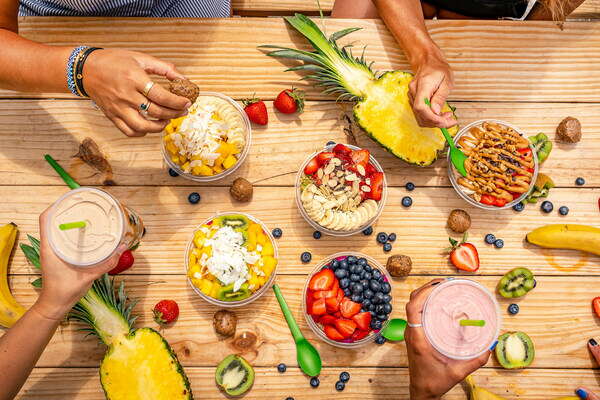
point(531, 74)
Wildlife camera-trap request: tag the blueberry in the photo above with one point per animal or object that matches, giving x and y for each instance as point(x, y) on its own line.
point(368, 276)
point(289, 398)
point(344, 282)
point(382, 317)
point(335, 264)
point(376, 324)
point(317, 235)
point(513, 309)
point(366, 302)
point(371, 307)
point(194, 198)
point(380, 339)
point(363, 262)
point(330, 143)
point(499, 243)
point(386, 288)
point(563, 210)
point(277, 232)
point(305, 257)
point(580, 181)
point(407, 201)
point(387, 247)
point(357, 288)
point(365, 283)
point(410, 186)
point(375, 286)
point(357, 298)
point(382, 237)
point(339, 386)
point(376, 274)
point(490, 239)
point(392, 237)
point(353, 269)
point(314, 382)
point(173, 173)
point(368, 294)
point(368, 268)
point(379, 309)
point(519, 207)
point(341, 273)
point(387, 298)
point(368, 231)
point(344, 377)
point(354, 277)
point(344, 264)
point(378, 298)
point(347, 292)
point(547, 206)
point(281, 368)
point(387, 308)
point(352, 260)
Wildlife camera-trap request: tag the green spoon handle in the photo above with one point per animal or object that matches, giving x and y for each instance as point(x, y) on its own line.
point(63, 174)
point(288, 315)
point(444, 130)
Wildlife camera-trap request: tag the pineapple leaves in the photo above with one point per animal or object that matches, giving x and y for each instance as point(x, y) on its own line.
point(37, 283)
point(340, 34)
point(32, 253)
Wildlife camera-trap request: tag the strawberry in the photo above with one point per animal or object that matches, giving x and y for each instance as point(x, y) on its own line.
point(327, 319)
point(363, 320)
point(165, 312)
point(376, 186)
point(312, 166)
point(488, 199)
point(348, 308)
point(499, 202)
point(324, 156)
point(345, 327)
point(464, 255)
point(596, 306)
point(341, 150)
point(359, 334)
point(370, 169)
point(322, 280)
point(360, 157)
point(318, 307)
point(332, 333)
point(290, 101)
point(125, 262)
point(256, 111)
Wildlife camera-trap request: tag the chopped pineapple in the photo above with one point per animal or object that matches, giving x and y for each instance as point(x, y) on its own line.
point(229, 162)
point(267, 249)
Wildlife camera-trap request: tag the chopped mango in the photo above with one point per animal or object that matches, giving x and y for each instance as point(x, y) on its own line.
point(218, 170)
point(197, 252)
point(269, 264)
point(229, 162)
point(205, 170)
point(207, 251)
point(171, 148)
point(262, 239)
point(185, 166)
point(170, 128)
point(215, 290)
point(175, 159)
point(192, 260)
point(206, 287)
point(199, 241)
point(219, 161)
point(267, 249)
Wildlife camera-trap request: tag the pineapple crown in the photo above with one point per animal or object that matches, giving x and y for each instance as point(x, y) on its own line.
point(334, 68)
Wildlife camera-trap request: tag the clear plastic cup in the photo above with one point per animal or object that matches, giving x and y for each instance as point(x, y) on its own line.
point(331, 232)
point(242, 155)
point(315, 327)
point(453, 174)
point(255, 295)
point(128, 228)
point(450, 350)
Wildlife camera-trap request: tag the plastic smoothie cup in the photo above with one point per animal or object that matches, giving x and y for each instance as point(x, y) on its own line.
point(461, 299)
point(108, 224)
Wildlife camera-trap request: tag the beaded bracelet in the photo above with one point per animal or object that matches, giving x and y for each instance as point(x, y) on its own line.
point(70, 71)
point(79, 62)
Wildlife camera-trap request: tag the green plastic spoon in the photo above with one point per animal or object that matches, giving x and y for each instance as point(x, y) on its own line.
point(308, 357)
point(394, 330)
point(457, 157)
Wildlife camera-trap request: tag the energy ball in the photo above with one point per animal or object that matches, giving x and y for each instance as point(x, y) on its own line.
point(459, 221)
point(225, 323)
point(184, 88)
point(569, 130)
point(241, 190)
point(399, 265)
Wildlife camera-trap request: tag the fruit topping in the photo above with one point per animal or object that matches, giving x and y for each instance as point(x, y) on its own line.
point(387, 247)
point(541, 188)
point(463, 255)
point(569, 130)
point(380, 340)
point(407, 201)
point(399, 265)
point(563, 210)
point(194, 198)
point(289, 101)
point(234, 375)
point(547, 206)
point(125, 262)
point(459, 221)
point(277, 232)
point(513, 309)
point(516, 283)
point(515, 350)
point(542, 146)
point(225, 323)
point(256, 111)
point(369, 230)
point(165, 312)
point(498, 243)
point(241, 190)
point(322, 280)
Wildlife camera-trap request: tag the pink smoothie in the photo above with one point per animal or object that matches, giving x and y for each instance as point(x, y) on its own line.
point(452, 301)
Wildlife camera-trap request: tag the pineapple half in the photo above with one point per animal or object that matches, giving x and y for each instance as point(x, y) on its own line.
point(382, 106)
point(139, 364)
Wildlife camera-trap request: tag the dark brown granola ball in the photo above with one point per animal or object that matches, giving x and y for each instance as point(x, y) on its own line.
point(241, 190)
point(569, 130)
point(184, 88)
point(399, 265)
point(459, 221)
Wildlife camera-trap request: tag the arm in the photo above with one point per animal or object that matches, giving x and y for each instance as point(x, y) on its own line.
point(63, 286)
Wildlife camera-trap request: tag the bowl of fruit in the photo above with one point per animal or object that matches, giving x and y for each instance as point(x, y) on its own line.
point(211, 141)
point(347, 299)
point(231, 259)
point(341, 189)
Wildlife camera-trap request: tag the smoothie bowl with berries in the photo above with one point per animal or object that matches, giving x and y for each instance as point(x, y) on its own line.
point(341, 190)
point(211, 141)
point(347, 299)
point(501, 165)
point(231, 259)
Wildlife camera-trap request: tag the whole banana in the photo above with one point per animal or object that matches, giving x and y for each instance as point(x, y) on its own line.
point(10, 310)
point(479, 393)
point(567, 236)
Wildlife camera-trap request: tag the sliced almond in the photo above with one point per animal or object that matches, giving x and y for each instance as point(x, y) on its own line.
point(368, 181)
point(332, 183)
point(320, 173)
point(361, 169)
point(339, 173)
point(329, 168)
point(365, 188)
point(352, 177)
point(325, 180)
point(355, 187)
point(336, 161)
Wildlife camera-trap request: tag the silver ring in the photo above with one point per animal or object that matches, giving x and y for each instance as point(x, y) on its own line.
point(145, 114)
point(145, 106)
point(147, 88)
point(415, 325)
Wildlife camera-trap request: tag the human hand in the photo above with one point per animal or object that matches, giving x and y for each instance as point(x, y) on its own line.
point(431, 373)
point(582, 392)
point(62, 284)
point(115, 80)
point(433, 80)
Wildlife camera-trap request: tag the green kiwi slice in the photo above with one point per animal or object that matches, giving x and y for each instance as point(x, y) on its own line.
point(516, 283)
point(236, 221)
point(515, 350)
point(234, 375)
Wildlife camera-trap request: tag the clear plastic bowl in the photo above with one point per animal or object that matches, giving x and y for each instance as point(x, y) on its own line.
point(242, 155)
point(315, 327)
point(327, 231)
point(255, 295)
point(453, 174)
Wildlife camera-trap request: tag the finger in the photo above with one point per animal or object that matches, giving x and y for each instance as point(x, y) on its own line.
point(159, 112)
point(424, 114)
point(414, 308)
point(153, 65)
point(163, 97)
point(594, 349)
point(587, 394)
point(140, 125)
point(123, 127)
point(438, 98)
point(467, 367)
point(111, 262)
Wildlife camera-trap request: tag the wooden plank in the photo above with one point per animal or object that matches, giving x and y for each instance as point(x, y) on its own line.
point(31, 128)
point(590, 9)
point(557, 315)
point(491, 59)
point(365, 383)
point(421, 230)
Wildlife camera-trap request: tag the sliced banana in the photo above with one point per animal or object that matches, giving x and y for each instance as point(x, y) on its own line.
point(326, 220)
point(306, 196)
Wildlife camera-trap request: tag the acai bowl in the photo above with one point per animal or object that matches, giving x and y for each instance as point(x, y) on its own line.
point(231, 259)
point(502, 165)
point(347, 299)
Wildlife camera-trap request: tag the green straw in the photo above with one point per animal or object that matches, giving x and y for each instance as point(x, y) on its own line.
point(63, 174)
point(472, 322)
point(73, 225)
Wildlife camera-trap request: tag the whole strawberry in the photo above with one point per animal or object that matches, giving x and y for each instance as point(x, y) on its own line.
point(290, 101)
point(125, 262)
point(256, 111)
point(165, 312)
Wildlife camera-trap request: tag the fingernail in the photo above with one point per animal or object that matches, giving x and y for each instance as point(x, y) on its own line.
point(494, 345)
point(435, 283)
point(581, 393)
point(593, 342)
point(436, 108)
point(188, 104)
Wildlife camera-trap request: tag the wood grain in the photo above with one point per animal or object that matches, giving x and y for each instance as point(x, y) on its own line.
point(31, 128)
point(170, 221)
point(379, 383)
point(492, 60)
point(590, 9)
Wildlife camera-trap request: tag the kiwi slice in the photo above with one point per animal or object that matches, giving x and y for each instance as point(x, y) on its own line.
point(226, 293)
point(542, 146)
point(234, 375)
point(236, 221)
point(516, 283)
point(515, 350)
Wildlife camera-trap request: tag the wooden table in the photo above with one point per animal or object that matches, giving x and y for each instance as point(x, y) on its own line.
point(531, 74)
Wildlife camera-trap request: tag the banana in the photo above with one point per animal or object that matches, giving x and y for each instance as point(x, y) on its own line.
point(10, 310)
point(567, 236)
point(479, 393)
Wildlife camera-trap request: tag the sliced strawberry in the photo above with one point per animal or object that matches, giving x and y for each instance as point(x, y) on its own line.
point(337, 314)
point(530, 170)
point(376, 186)
point(318, 307)
point(596, 305)
point(348, 308)
point(360, 157)
point(359, 334)
point(332, 333)
point(311, 167)
point(499, 202)
point(325, 294)
point(345, 327)
point(324, 157)
point(464, 256)
point(327, 319)
point(488, 199)
point(363, 320)
point(340, 149)
point(322, 280)
point(332, 305)
point(340, 295)
point(370, 169)
point(526, 152)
